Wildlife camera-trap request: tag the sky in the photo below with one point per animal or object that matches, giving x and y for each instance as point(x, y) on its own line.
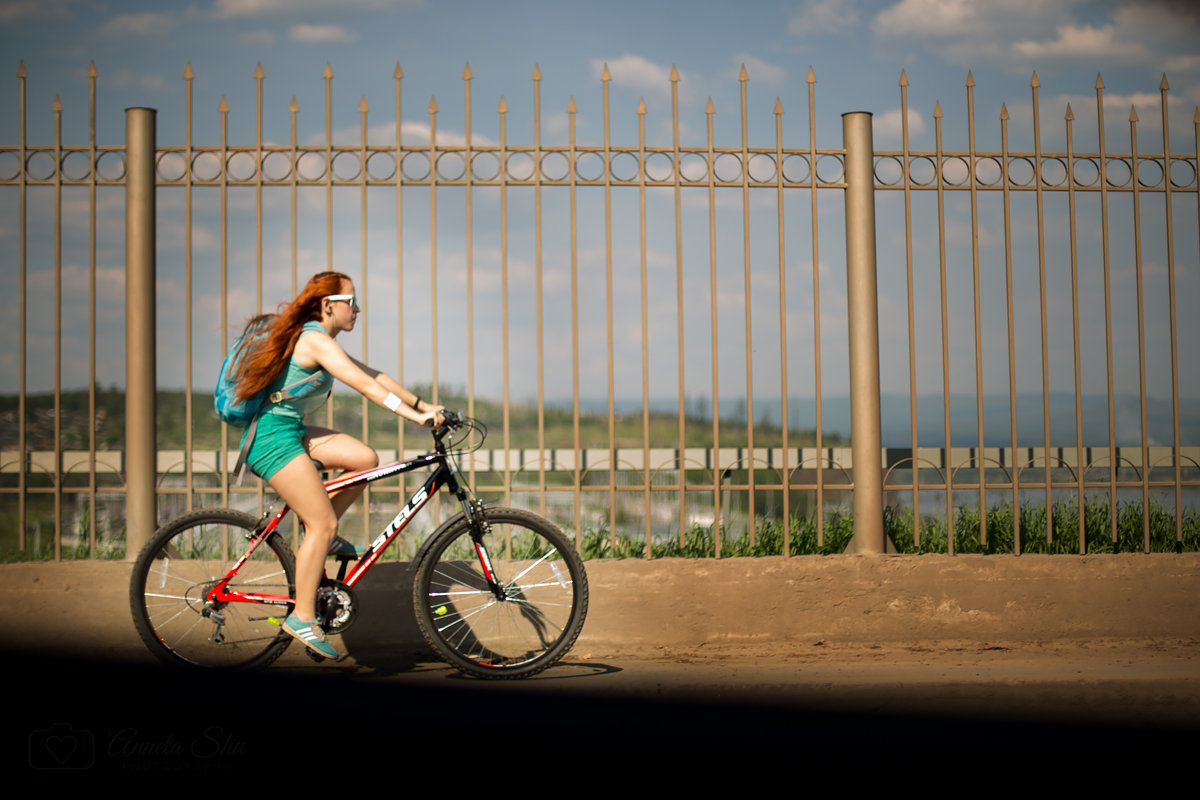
point(856, 51)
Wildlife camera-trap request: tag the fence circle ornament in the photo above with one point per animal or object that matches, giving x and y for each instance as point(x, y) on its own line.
point(555, 166)
point(485, 166)
point(624, 166)
point(988, 171)
point(955, 170)
point(171, 166)
point(310, 166)
point(76, 165)
point(1183, 173)
point(347, 166)
point(381, 166)
point(520, 166)
point(693, 168)
point(276, 166)
point(1054, 172)
point(206, 166)
point(1020, 172)
point(1085, 172)
point(450, 166)
point(10, 166)
point(921, 171)
point(727, 168)
point(589, 166)
point(241, 167)
point(889, 171)
point(1149, 173)
point(796, 169)
point(762, 168)
point(110, 166)
point(830, 169)
point(1116, 172)
point(660, 167)
point(414, 166)
point(40, 166)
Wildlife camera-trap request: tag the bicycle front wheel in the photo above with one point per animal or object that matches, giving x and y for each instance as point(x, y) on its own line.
point(535, 621)
point(174, 573)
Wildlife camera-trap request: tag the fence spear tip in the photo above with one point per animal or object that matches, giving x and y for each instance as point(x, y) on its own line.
point(57, 107)
point(1070, 115)
point(258, 72)
point(21, 69)
point(778, 106)
point(503, 107)
point(187, 72)
point(91, 73)
point(742, 74)
point(812, 76)
point(1099, 81)
point(674, 77)
point(1034, 82)
point(903, 77)
point(1004, 112)
point(1133, 117)
point(641, 107)
point(937, 109)
point(362, 106)
point(605, 75)
point(1164, 85)
point(708, 107)
point(467, 72)
point(970, 79)
point(432, 104)
point(1196, 116)
point(537, 72)
point(223, 108)
point(293, 106)
point(328, 73)
point(397, 73)
point(571, 109)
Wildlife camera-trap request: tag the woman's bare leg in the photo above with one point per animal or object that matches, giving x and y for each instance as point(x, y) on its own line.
point(299, 485)
point(341, 451)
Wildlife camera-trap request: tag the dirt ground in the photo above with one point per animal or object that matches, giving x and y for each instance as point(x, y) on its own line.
point(822, 654)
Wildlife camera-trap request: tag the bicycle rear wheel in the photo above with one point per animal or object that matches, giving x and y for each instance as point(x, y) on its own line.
point(173, 575)
point(542, 611)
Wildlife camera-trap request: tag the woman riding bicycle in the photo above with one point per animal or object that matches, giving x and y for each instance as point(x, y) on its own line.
point(299, 344)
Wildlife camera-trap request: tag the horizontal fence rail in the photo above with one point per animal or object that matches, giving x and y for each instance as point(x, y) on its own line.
point(558, 265)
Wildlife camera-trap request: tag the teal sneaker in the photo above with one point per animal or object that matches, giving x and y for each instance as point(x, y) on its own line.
point(341, 547)
point(309, 632)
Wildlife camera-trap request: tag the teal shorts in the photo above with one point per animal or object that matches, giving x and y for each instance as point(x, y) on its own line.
point(277, 441)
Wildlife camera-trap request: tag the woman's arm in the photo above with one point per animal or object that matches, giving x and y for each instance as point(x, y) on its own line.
point(371, 384)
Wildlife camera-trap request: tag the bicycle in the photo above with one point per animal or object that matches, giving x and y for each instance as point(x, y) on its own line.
point(498, 592)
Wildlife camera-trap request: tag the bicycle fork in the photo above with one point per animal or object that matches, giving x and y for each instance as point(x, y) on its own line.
point(480, 528)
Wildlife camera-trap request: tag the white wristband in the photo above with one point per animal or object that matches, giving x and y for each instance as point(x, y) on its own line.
point(391, 402)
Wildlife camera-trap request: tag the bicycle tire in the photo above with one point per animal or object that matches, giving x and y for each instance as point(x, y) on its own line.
point(546, 596)
point(169, 582)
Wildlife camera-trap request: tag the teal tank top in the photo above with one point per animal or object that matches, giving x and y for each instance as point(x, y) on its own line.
point(312, 394)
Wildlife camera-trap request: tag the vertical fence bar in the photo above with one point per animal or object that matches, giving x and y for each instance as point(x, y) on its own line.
point(712, 270)
point(912, 324)
point(811, 80)
point(469, 222)
point(539, 286)
point(1141, 323)
point(1080, 467)
point(948, 459)
point(976, 292)
point(745, 156)
point(577, 469)
point(863, 311)
point(502, 110)
point(140, 467)
point(1005, 164)
point(783, 372)
point(606, 79)
point(647, 532)
point(397, 79)
point(366, 339)
point(92, 75)
point(58, 459)
point(188, 443)
point(1108, 343)
point(677, 181)
point(1175, 442)
point(23, 314)
point(1041, 245)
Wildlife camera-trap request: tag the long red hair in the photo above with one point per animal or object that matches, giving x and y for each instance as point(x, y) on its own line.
point(268, 357)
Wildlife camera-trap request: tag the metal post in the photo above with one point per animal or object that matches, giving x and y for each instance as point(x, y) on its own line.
point(140, 378)
point(864, 334)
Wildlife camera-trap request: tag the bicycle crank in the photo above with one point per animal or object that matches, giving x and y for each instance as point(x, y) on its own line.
point(337, 606)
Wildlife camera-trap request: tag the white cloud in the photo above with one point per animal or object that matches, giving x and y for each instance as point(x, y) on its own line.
point(145, 23)
point(760, 71)
point(823, 16)
point(889, 124)
point(230, 9)
point(637, 73)
point(1076, 41)
point(320, 34)
point(16, 10)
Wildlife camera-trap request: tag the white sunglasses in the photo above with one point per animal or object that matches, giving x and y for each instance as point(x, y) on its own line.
point(349, 298)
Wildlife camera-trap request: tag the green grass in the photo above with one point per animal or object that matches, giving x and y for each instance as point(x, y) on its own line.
point(700, 541)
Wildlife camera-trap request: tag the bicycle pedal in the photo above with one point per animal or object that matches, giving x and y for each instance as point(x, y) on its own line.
point(315, 656)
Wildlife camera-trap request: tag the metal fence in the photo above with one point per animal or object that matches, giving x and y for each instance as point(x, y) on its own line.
point(612, 302)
